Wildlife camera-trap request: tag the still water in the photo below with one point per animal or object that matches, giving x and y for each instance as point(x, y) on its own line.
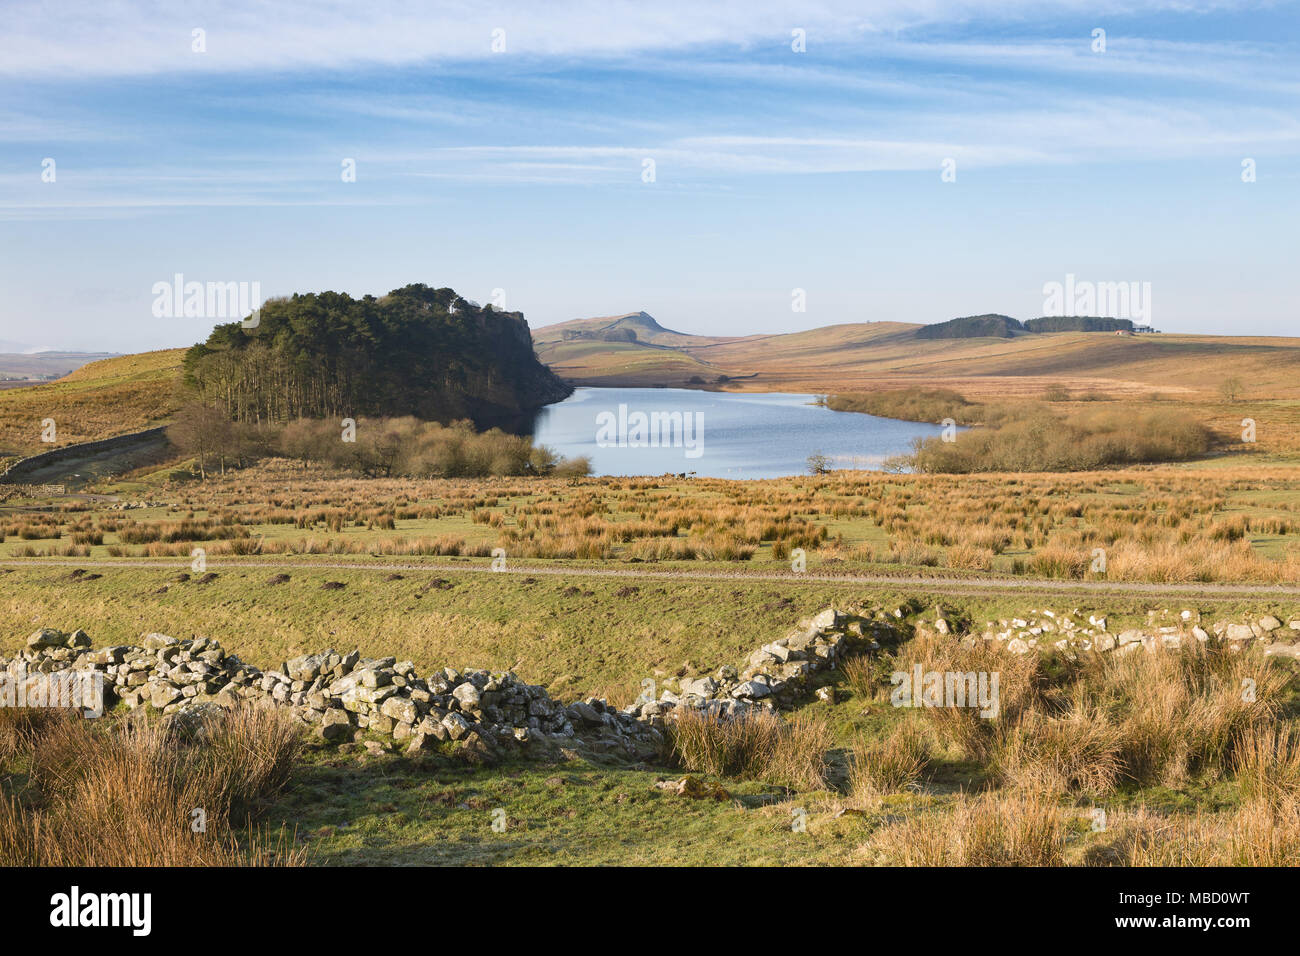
point(651, 431)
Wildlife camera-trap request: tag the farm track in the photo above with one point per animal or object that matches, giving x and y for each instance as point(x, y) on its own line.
point(964, 586)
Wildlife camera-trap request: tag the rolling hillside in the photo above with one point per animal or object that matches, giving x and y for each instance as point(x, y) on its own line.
point(99, 400)
point(873, 355)
point(128, 393)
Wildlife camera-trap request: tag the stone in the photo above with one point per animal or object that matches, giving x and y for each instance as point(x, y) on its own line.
point(153, 643)
point(400, 709)
point(335, 725)
point(1239, 632)
point(827, 619)
point(1269, 623)
point(585, 713)
point(468, 695)
point(369, 677)
point(456, 725)
point(306, 668)
point(700, 687)
point(163, 694)
point(421, 741)
point(433, 728)
point(45, 637)
point(752, 689)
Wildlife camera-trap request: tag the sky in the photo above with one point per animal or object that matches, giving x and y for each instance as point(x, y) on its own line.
point(891, 161)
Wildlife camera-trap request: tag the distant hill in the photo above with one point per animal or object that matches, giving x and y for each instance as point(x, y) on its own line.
point(987, 356)
point(35, 366)
point(629, 327)
point(991, 325)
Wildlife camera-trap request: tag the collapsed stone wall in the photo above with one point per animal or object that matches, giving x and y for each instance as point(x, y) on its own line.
point(343, 696)
point(1071, 632)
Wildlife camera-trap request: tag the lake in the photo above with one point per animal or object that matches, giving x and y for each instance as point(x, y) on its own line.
point(651, 431)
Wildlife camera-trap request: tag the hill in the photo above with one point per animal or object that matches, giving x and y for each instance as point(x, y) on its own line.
point(416, 351)
point(101, 399)
point(632, 326)
point(973, 326)
point(32, 366)
point(868, 356)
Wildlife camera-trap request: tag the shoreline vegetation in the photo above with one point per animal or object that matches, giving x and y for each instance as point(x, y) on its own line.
point(374, 448)
point(1032, 435)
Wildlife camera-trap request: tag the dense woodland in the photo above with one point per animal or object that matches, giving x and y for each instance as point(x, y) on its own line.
point(416, 351)
point(1004, 326)
point(418, 372)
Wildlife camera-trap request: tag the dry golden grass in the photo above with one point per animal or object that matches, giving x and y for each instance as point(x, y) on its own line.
point(1021, 829)
point(123, 792)
point(1153, 524)
point(99, 400)
point(755, 746)
point(1256, 833)
point(1077, 752)
point(882, 766)
point(1267, 764)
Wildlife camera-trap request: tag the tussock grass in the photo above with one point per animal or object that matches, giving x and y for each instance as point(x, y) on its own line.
point(1267, 764)
point(1257, 833)
point(888, 765)
point(987, 830)
point(754, 746)
point(124, 791)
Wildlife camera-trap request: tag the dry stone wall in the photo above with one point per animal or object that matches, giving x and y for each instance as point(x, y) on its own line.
point(387, 704)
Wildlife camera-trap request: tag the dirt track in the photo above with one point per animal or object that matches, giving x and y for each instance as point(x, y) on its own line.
point(964, 586)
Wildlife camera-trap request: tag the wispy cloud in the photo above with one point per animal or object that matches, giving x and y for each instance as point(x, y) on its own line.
point(90, 37)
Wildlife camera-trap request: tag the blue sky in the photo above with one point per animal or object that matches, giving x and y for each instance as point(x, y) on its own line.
point(522, 170)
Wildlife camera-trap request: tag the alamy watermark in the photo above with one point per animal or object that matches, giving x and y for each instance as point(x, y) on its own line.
point(66, 689)
point(1116, 300)
point(922, 688)
point(651, 430)
point(208, 300)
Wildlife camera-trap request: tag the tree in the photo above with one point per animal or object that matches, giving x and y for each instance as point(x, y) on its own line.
point(818, 464)
point(203, 431)
point(1231, 388)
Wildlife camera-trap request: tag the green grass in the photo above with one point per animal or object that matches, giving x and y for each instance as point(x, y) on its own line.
point(394, 810)
point(576, 634)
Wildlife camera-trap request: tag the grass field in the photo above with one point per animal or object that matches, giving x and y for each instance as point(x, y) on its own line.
point(611, 581)
point(105, 398)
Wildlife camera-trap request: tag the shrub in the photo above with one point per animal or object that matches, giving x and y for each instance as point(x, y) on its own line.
point(121, 791)
point(911, 404)
point(989, 830)
point(754, 746)
point(888, 765)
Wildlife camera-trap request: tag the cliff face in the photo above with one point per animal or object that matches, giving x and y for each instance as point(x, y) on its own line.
point(511, 383)
point(416, 351)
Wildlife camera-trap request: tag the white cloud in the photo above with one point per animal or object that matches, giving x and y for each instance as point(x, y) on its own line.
point(91, 37)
